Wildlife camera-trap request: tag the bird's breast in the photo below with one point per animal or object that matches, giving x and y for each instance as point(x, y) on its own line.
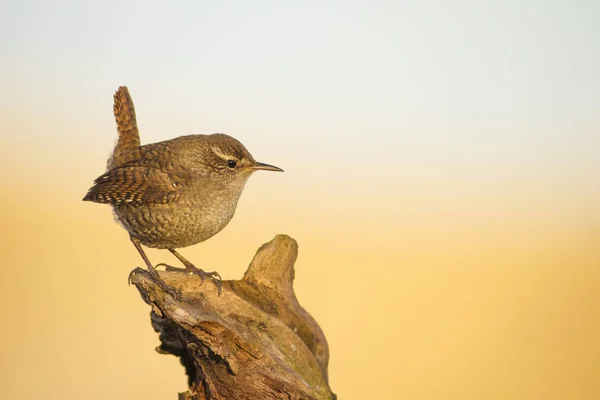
point(193, 218)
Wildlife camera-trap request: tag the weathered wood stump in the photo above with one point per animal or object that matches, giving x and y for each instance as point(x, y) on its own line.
point(254, 341)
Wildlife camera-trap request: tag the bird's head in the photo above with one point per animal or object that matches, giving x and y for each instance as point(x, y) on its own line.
point(231, 161)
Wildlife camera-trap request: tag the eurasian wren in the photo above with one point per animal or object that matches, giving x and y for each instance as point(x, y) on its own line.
point(174, 193)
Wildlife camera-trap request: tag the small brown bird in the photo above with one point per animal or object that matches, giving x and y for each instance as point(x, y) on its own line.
point(174, 193)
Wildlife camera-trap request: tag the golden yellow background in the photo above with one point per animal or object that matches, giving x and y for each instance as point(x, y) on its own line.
point(442, 180)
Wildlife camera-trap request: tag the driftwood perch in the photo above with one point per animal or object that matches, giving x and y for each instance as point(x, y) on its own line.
point(254, 341)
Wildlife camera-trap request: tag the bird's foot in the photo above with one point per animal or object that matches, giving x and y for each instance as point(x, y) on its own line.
point(190, 269)
point(136, 270)
point(153, 274)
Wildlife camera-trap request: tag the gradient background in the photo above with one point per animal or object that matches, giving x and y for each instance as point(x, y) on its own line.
point(442, 179)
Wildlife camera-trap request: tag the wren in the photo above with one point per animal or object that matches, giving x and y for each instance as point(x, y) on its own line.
point(175, 193)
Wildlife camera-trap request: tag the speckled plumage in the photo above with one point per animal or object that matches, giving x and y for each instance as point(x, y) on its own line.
point(174, 193)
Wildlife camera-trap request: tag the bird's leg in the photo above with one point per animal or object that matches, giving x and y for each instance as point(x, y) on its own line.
point(192, 269)
point(151, 270)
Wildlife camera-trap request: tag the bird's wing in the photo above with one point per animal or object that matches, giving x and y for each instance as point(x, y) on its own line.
point(134, 185)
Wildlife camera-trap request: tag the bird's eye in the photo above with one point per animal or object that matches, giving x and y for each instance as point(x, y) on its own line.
point(231, 164)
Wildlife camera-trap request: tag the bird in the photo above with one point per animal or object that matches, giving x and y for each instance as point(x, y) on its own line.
point(175, 193)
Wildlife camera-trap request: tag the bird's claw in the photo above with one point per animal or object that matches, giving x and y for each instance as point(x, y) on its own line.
point(133, 272)
point(213, 276)
point(157, 279)
point(167, 267)
point(190, 269)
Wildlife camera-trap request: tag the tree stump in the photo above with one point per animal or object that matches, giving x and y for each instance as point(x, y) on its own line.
point(253, 341)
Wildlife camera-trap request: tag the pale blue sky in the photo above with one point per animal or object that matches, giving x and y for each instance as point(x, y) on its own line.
point(400, 83)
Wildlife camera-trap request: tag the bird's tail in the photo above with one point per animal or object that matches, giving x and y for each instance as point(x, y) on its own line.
point(128, 144)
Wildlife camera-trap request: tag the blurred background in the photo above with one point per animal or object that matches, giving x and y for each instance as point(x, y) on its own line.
point(442, 179)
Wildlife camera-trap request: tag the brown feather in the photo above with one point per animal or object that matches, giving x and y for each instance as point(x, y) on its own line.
point(133, 185)
point(128, 145)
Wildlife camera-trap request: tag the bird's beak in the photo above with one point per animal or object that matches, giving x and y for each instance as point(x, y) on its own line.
point(265, 167)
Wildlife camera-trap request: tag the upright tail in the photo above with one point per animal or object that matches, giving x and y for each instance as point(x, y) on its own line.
point(128, 145)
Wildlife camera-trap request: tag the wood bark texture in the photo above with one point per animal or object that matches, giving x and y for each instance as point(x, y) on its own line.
point(254, 341)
